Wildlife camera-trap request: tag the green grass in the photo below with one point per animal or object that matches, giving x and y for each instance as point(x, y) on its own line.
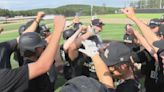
point(9, 36)
point(158, 15)
point(13, 26)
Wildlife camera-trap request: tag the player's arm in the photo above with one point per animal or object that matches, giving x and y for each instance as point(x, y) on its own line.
point(73, 53)
point(101, 68)
point(36, 22)
point(102, 71)
point(77, 43)
point(34, 25)
point(43, 64)
point(48, 38)
point(70, 40)
point(145, 44)
point(148, 34)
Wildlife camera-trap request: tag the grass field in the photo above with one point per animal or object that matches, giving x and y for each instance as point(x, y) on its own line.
point(110, 31)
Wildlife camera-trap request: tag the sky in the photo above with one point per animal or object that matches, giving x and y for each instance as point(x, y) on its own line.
point(35, 4)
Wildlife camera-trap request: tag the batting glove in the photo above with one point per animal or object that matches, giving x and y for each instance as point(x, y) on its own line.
point(90, 48)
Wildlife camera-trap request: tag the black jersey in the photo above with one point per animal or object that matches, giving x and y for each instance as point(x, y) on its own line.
point(15, 80)
point(82, 65)
point(6, 49)
point(40, 83)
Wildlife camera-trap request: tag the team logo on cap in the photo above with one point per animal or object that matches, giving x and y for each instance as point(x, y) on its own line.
point(121, 59)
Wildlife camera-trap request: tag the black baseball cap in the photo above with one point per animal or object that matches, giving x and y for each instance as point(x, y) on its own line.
point(128, 38)
point(116, 53)
point(159, 44)
point(84, 84)
point(68, 33)
point(97, 22)
point(154, 22)
point(44, 28)
point(77, 25)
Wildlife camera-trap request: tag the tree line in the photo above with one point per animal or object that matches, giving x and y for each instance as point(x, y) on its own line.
point(147, 3)
point(68, 10)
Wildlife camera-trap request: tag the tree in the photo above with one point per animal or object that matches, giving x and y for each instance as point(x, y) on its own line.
point(148, 3)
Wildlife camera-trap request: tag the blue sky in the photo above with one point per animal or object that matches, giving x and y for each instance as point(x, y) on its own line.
point(33, 4)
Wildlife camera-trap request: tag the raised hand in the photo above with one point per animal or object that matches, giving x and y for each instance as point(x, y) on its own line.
point(76, 19)
point(59, 23)
point(129, 12)
point(90, 48)
point(40, 14)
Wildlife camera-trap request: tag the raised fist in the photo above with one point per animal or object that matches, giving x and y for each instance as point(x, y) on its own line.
point(40, 14)
point(59, 22)
point(129, 12)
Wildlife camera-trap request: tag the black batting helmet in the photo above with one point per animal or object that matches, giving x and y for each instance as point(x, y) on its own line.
point(22, 28)
point(28, 42)
point(97, 22)
point(68, 33)
point(43, 29)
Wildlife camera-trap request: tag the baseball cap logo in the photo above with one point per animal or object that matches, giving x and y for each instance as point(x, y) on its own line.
point(106, 53)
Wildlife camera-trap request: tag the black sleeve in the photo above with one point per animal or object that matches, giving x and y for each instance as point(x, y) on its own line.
point(160, 80)
point(15, 80)
point(12, 44)
point(111, 90)
point(160, 59)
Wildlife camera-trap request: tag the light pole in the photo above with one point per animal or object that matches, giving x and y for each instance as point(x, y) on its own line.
point(160, 4)
point(91, 9)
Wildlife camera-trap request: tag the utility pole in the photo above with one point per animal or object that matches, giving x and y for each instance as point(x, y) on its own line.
point(125, 4)
point(160, 5)
point(91, 9)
